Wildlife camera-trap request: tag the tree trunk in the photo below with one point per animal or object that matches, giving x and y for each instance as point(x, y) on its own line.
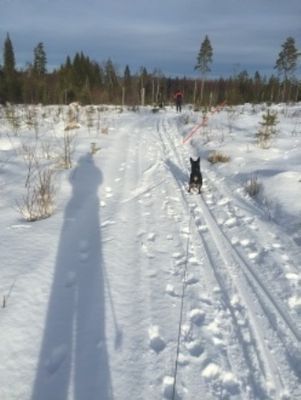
point(143, 96)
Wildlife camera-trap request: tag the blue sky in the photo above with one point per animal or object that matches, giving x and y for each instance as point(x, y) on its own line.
point(157, 34)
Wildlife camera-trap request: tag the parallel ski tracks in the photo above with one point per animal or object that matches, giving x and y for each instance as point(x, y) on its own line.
point(255, 295)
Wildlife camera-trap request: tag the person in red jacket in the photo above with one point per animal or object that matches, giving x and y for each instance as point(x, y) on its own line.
point(179, 98)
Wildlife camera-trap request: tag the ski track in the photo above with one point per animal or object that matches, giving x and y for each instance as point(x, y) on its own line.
point(228, 311)
point(248, 287)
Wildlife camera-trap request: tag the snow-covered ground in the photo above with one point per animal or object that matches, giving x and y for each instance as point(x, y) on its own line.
point(134, 288)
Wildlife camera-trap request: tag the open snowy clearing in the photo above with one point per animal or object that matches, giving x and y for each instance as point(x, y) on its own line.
point(136, 289)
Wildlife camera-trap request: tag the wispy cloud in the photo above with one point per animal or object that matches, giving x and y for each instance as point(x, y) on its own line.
point(161, 33)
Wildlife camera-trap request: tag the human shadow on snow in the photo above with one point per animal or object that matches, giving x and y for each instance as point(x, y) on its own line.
point(73, 361)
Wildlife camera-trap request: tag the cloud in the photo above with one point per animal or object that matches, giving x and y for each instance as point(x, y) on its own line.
point(160, 33)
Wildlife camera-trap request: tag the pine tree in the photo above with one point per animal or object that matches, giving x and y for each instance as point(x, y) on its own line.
point(286, 63)
point(40, 60)
point(204, 59)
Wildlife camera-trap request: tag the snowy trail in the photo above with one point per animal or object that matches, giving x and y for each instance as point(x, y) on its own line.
point(147, 291)
point(249, 289)
point(158, 175)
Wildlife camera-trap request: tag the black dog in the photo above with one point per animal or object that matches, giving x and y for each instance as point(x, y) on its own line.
point(196, 179)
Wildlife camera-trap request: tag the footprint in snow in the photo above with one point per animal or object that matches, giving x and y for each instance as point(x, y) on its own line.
point(197, 316)
point(195, 348)
point(193, 261)
point(156, 341)
point(168, 387)
point(294, 303)
point(234, 241)
point(171, 290)
point(276, 245)
point(151, 237)
point(253, 255)
point(285, 257)
point(183, 360)
point(293, 277)
point(191, 280)
point(245, 242)
point(225, 379)
point(145, 250)
point(248, 220)
point(203, 228)
point(185, 231)
point(177, 255)
point(223, 201)
point(231, 222)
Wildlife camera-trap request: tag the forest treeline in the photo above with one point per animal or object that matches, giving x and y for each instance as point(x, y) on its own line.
point(84, 80)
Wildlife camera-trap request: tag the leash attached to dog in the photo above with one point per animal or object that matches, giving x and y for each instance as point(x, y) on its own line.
point(181, 312)
point(203, 122)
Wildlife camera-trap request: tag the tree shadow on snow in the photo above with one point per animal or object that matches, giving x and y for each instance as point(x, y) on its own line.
point(73, 360)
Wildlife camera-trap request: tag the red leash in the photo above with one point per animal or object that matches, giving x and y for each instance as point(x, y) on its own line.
point(204, 122)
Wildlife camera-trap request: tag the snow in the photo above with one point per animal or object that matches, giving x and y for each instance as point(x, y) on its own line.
point(135, 288)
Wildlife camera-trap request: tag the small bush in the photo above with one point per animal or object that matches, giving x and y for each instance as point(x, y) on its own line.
point(253, 187)
point(217, 157)
point(267, 129)
point(64, 160)
point(38, 203)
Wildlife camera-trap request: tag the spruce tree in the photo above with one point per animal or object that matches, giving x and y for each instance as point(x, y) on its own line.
point(11, 84)
point(40, 60)
point(8, 57)
point(111, 81)
point(127, 83)
point(204, 59)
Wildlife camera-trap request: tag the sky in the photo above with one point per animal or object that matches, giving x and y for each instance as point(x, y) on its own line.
point(163, 35)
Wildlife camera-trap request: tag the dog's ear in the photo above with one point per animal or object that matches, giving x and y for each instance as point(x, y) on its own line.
point(191, 160)
point(198, 160)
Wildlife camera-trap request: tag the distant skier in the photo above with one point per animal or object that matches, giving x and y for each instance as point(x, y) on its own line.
point(178, 98)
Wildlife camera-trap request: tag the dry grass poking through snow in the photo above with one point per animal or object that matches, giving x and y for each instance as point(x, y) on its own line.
point(217, 157)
